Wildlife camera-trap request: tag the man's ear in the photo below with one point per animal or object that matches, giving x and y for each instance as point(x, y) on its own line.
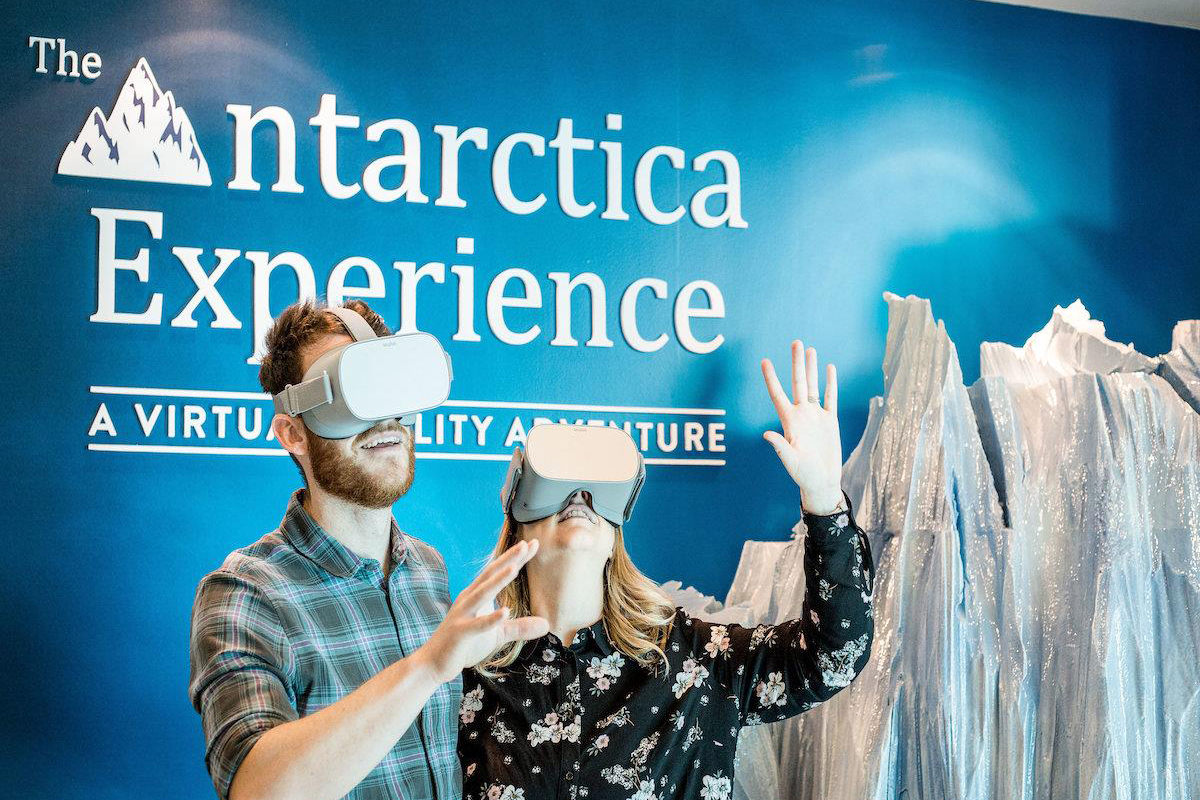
point(291, 434)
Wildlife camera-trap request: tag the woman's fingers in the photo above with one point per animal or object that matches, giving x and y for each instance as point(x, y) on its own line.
point(798, 380)
point(775, 390)
point(776, 441)
point(810, 371)
point(831, 393)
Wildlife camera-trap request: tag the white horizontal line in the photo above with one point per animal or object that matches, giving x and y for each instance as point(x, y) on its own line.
point(212, 393)
point(223, 395)
point(464, 456)
point(185, 449)
point(568, 407)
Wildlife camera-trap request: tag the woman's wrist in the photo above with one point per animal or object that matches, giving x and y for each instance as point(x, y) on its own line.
point(824, 501)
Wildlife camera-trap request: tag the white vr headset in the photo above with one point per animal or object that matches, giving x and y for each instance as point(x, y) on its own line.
point(351, 388)
point(559, 460)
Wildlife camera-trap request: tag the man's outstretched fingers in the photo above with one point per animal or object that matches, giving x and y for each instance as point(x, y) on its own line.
point(472, 595)
point(501, 572)
point(525, 628)
point(485, 621)
point(498, 574)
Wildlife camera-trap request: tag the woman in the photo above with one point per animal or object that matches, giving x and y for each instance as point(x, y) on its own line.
point(629, 697)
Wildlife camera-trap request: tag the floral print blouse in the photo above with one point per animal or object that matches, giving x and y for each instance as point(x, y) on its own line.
point(585, 721)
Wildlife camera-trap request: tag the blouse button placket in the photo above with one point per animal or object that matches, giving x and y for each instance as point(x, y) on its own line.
point(571, 750)
point(569, 765)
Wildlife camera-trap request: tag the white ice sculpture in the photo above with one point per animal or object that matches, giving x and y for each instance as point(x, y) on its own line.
point(1181, 366)
point(1037, 541)
point(1100, 475)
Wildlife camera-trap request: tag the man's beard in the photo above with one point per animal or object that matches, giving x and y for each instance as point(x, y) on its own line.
point(342, 477)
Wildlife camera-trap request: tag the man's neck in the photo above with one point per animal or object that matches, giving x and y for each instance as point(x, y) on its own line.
point(367, 532)
point(568, 592)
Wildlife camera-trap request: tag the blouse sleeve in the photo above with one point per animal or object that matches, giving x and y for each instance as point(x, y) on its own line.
point(778, 671)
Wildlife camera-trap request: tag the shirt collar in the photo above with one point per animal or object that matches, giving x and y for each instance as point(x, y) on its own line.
point(597, 634)
point(592, 637)
point(319, 546)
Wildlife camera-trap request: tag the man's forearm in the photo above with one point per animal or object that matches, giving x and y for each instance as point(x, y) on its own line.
point(326, 754)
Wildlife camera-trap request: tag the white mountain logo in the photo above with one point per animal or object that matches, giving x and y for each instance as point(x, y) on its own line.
point(146, 137)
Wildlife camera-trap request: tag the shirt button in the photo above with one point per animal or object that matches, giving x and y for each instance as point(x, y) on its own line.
point(569, 775)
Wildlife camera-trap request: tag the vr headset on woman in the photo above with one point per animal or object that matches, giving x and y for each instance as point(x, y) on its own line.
point(559, 460)
point(349, 389)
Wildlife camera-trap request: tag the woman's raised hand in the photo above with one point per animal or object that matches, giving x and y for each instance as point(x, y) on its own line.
point(811, 445)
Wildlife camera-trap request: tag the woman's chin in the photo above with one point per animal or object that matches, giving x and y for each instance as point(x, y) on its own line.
point(579, 536)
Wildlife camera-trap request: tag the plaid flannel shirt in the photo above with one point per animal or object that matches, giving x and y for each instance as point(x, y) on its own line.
point(295, 622)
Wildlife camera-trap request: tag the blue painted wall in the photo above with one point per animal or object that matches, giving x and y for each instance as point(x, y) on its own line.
point(997, 160)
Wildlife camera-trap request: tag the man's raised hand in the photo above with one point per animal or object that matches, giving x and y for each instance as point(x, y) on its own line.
point(471, 630)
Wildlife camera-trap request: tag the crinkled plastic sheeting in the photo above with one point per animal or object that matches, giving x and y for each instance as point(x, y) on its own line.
point(1037, 541)
point(1181, 366)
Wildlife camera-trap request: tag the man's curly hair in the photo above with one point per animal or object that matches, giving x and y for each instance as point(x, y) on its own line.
point(295, 330)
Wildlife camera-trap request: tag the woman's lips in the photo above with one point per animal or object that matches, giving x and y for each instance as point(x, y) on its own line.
point(576, 510)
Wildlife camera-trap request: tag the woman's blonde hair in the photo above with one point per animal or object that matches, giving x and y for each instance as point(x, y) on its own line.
point(637, 614)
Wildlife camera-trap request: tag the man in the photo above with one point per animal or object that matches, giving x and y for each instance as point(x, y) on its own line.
point(326, 656)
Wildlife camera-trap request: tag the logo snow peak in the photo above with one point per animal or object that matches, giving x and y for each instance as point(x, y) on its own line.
point(146, 137)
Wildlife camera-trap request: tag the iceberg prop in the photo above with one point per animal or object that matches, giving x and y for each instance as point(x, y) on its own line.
point(1181, 366)
point(1037, 541)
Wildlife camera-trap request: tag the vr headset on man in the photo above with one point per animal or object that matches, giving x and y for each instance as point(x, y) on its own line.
point(559, 460)
point(351, 388)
